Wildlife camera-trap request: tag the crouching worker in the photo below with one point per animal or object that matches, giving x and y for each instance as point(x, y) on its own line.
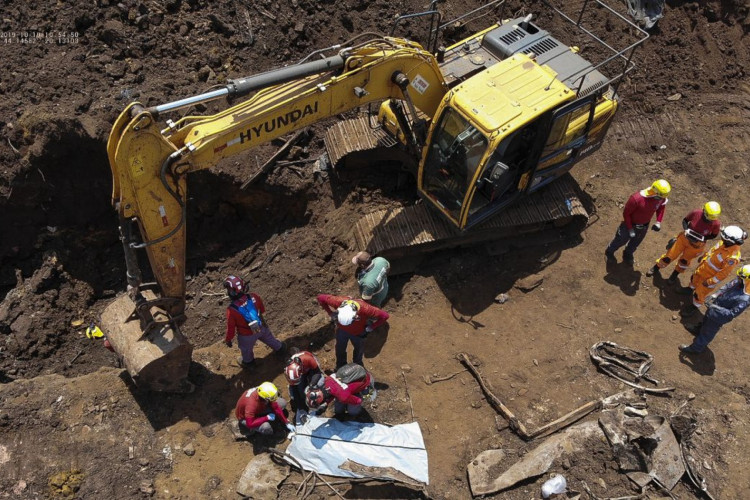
point(300, 369)
point(259, 407)
point(347, 388)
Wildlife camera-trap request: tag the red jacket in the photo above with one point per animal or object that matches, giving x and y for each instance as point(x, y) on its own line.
point(235, 320)
point(639, 209)
point(366, 311)
point(254, 409)
point(347, 393)
point(308, 361)
point(707, 228)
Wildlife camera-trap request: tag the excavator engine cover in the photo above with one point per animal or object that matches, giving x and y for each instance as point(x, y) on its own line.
point(157, 360)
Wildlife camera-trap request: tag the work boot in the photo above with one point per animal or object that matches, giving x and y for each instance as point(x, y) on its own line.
point(689, 349)
point(674, 277)
point(628, 258)
point(282, 349)
point(652, 271)
point(245, 364)
point(610, 256)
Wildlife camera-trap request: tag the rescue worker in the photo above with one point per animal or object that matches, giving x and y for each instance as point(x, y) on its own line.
point(347, 388)
point(299, 370)
point(637, 215)
point(717, 264)
point(258, 407)
point(730, 301)
point(352, 318)
point(372, 277)
point(698, 227)
point(245, 318)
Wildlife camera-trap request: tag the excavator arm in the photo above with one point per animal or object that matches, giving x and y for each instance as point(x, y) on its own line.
point(149, 165)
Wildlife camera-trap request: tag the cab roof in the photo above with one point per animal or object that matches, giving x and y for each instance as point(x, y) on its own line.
point(510, 93)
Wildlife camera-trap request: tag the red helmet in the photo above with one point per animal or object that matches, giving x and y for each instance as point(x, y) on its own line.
point(235, 286)
point(315, 398)
point(293, 372)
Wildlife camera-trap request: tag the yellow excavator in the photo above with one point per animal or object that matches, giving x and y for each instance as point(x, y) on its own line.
point(487, 124)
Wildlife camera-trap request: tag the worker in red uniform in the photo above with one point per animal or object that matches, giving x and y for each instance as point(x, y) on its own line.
point(300, 368)
point(637, 214)
point(258, 407)
point(354, 319)
point(698, 226)
point(347, 388)
point(245, 318)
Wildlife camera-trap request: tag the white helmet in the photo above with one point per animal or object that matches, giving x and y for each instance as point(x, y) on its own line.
point(733, 235)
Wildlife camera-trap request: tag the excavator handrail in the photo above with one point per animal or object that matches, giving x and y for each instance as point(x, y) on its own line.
point(616, 53)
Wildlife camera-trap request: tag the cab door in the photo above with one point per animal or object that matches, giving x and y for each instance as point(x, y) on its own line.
point(567, 137)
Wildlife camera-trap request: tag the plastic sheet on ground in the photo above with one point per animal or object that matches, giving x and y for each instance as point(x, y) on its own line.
point(324, 444)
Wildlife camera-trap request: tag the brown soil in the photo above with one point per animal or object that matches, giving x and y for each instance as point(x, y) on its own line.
point(61, 264)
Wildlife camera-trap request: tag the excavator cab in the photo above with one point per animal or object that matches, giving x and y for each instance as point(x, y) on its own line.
point(490, 147)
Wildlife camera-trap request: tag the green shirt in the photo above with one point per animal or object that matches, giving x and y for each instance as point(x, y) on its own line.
point(373, 278)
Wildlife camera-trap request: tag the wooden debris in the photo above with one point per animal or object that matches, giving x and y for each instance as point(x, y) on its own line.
point(272, 161)
point(513, 421)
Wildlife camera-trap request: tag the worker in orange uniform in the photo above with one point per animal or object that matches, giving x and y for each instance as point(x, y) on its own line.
point(716, 265)
point(699, 226)
point(636, 216)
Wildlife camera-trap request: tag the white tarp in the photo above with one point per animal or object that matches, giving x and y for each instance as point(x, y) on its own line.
point(322, 444)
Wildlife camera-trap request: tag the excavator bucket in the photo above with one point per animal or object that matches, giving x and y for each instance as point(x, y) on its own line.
point(646, 12)
point(156, 357)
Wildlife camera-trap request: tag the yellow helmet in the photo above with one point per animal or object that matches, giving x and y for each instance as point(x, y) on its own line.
point(712, 210)
point(268, 391)
point(93, 332)
point(661, 188)
point(744, 272)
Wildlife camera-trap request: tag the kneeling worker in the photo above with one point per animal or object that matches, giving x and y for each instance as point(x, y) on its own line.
point(347, 388)
point(299, 371)
point(258, 407)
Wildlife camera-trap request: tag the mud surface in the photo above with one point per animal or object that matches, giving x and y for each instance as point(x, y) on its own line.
point(69, 418)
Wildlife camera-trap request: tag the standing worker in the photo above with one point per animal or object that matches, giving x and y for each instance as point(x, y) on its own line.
point(258, 407)
point(347, 388)
point(299, 371)
point(245, 318)
point(716, 265)
point(637, 214)
point(372, 277)
point(352, 318)
point(699, 226)
point(730, 301)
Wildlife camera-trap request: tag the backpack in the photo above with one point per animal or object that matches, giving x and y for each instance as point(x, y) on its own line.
point(250, 313)
point(351, 372)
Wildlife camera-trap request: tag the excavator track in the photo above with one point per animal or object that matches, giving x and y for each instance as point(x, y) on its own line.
point(417, 229)
point(355, 135)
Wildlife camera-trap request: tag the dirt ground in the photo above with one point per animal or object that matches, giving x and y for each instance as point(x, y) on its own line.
point(73, 425)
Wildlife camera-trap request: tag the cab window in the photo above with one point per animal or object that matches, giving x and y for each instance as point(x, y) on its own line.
point(455, 153)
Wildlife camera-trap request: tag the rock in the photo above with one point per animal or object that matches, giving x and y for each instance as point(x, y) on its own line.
point(143, 461)
point(147, 487)
point(536, 363)
point(635, 412)
point(601, 483)
point(19, 487)
point(261, 478)
point(618, 330)
point(406, 368)
point(189, 449)
point(566, 464)
point(502, 298)
point(522, 391)
point(299, 27)
point(691, 396)
point(674, 97)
